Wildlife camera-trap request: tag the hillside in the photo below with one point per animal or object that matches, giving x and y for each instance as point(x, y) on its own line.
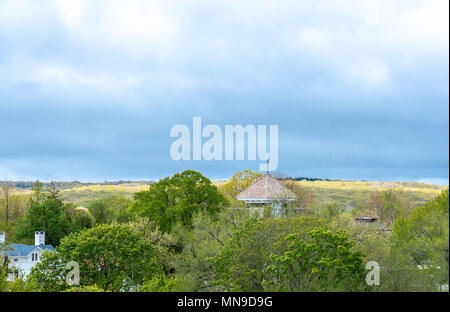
point(349, 193)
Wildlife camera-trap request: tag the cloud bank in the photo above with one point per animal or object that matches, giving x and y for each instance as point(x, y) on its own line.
point(90, 89)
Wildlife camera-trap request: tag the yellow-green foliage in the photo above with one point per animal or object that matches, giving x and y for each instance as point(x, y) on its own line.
point(91, 288)
point(352, 193)
point(84, 194)
point(161, 284)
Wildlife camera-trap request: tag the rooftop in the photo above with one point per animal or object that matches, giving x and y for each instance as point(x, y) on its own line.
point(17, 250)
point(266, 188)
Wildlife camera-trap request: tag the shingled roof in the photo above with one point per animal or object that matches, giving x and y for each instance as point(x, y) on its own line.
point(266, 189)
point(24, 250)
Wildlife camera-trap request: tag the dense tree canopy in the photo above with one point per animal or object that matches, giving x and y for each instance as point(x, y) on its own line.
point(178, 198)
point(113, 257)
point(45, 213)
point(241, 264)
point(424, 235)
point(319, 261)
point(176, 236)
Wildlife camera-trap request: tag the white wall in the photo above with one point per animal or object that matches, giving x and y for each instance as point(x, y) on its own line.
point(24, 263)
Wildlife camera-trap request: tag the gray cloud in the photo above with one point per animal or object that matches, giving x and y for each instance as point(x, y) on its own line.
point(83, 99)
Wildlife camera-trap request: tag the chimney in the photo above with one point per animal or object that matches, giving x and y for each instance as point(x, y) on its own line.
point(39, 238)
point(2, 237)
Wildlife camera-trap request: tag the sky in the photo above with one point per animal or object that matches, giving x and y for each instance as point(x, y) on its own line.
point(89, 90)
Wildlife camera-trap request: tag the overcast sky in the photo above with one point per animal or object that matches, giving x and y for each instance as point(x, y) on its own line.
point(89, 90)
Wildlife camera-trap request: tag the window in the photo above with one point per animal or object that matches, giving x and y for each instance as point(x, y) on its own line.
point(34, 257)
point(16, 260)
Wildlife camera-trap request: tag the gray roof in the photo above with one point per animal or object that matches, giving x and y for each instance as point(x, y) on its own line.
point(17, 250)
point(266, 188)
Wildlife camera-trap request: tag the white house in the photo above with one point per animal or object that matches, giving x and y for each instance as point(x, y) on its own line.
point(21, 258)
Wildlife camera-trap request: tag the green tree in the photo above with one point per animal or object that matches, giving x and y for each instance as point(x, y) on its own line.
point(305, 198)
point(423, 237)
point(241, 263)
point(45, 213)
point(114, 257)
point(201, 243)
point(241, 180)
point(100, 211)
point(120, 207)
point(81, 219)
point(49, 273)
point(37, 191)
point(91, 288)
point(321, 261)
point(161, 284)
point(6, 189)
point(3, 268)
point(387, 205)
point(178, 199)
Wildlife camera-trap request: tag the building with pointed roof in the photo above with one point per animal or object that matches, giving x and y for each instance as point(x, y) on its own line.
point(267, 190)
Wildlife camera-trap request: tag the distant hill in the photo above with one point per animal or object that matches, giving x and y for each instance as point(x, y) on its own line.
point(349, 193)
point(352, 193)
point(306, 179)
point(85, 192)
point(68, 185)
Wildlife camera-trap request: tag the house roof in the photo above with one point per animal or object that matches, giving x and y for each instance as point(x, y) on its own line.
point(17, 250)
point(266, 188)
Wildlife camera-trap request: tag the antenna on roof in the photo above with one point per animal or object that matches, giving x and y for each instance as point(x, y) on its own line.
point(268, 165)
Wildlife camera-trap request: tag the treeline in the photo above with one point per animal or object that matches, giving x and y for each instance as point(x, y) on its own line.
point(179, 235)
point(307, 179)
point(66, 184)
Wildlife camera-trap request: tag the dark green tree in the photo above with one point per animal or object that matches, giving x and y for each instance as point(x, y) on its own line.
point(321, 261)
point(423, 237)
point(178, 199)
point(243, 259)
point(113, 257)
point(45, 213)
point(100, 211)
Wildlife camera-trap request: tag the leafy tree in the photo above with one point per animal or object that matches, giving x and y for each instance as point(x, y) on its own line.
point(81, 219)
point(161, 284)
point(37, 191)
point(241, 263)
point(90, 288)
point(165, 244)
point(201, 243)
point(111, 209)
point(114, 257)
point(321, 261)
point(3, 281)
point(120, 207)
point(423, 236)
point(240, 181)
point(329, 211)
point(100, 212)
point(178, 199)
point(49, 273)
point(3, 267)
point(387, 205)
point(46, 213)
point(305, 198)
point(6, 189)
